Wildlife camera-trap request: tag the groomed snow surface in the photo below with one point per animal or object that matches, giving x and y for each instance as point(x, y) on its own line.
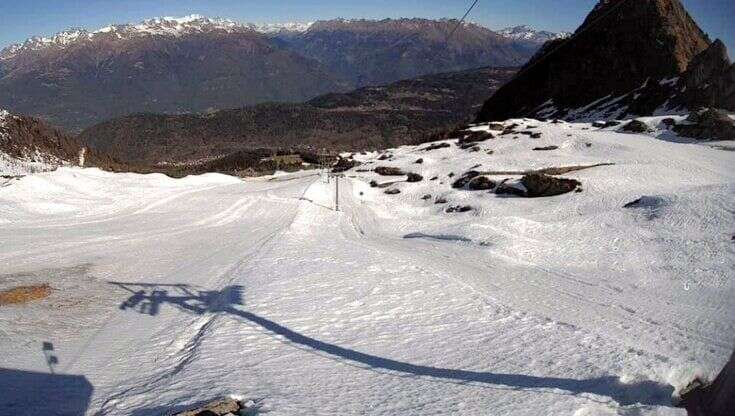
point(171, 292)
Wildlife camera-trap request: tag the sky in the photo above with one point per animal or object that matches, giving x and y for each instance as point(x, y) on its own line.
point(20, 20)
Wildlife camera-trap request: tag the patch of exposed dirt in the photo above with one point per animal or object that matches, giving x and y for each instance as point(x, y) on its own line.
point(24, 294)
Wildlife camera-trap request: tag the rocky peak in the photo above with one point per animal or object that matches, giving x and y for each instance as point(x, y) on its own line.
point(710, 79)
point(621, 45)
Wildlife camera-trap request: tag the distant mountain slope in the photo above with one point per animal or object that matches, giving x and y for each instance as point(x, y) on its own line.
point(28, 145)
point(81, 78)
point(78, 78)
point(370, 117)
point(369, 52)
point(622, 46)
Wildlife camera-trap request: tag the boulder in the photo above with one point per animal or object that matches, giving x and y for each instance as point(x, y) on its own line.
point(508, 187)
point(481, 183)
point(474, 137)
point(440, 201)
point(709, 124)
point(414, 177)
point(392, 191)
point(343, 165)
point(495, 126)
point(388, 171)
point(636, 126)
point(465, 179)
point(668, 121)
point(419, 161)
point(459, 208)
point(540, 185)
point(436, 146)
point(545, 148)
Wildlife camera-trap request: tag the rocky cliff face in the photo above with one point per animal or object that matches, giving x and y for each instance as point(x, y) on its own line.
point(709, 81)
point(621, 46)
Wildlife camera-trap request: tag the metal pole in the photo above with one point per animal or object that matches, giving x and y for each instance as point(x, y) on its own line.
point(336, 193)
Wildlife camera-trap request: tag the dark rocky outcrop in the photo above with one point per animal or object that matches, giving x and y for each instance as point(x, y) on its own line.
point(708, 124)
point(465, 179)
point(344, 164)
point(481, 183)
point(458, 208)
point(471, 137)
point(506, 187)
point(389, 171)
point(537, 185)
point(414, 177)
point(636, 126)
point(709, 80)
point(435, 146)
point(543, 148)
point(540, 185)
point(621, 46)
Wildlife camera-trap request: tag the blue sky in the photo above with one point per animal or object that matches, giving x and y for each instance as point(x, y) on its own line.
point(22, 19)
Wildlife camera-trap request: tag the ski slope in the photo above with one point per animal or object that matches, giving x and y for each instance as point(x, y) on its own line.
point(171, 292)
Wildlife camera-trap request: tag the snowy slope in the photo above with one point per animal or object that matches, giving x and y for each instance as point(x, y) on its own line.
point(169, 292)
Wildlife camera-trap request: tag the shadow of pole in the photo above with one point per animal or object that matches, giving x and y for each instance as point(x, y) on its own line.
point(647, 393)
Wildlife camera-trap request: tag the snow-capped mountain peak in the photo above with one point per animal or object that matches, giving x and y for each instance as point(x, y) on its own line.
point(159, 26)
point(526, 33)
point(290, 27)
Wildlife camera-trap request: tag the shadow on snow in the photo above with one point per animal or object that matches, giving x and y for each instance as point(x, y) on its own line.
point(148, 299)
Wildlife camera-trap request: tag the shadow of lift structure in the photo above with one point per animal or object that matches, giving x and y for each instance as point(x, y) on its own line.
point(147, 298)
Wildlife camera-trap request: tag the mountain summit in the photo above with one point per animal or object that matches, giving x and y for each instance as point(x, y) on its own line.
point(621, 45)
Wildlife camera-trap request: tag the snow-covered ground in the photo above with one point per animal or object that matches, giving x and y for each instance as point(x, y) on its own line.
point(170, 292)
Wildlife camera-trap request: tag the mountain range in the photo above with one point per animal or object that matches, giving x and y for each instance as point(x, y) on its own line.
point(195, 64)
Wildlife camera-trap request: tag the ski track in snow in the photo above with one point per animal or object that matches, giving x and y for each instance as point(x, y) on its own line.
point(171, 292)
